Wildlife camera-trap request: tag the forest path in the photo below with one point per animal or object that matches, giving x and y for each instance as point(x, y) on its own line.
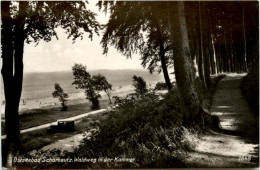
point(236, 144)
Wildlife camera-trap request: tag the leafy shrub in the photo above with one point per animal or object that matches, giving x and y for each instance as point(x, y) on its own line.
point(161, 86)
point(122, 101)
point(83, 80)
point(100, 82)
point(146, 129)
point(91, 84)
point(250, 87)
point(140, 85)
point(61, 95)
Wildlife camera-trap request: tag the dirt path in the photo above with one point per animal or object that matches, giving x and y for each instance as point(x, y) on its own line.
point(66, 144)
point(237, 142)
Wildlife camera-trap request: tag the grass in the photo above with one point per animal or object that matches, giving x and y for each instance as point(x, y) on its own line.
point(36, 117)
point(35, 140)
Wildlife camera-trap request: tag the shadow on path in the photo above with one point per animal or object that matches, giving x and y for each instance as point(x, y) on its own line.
point(236, 116)
point(236, 144)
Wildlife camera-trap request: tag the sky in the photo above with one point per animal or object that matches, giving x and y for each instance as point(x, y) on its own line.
point(61, 54)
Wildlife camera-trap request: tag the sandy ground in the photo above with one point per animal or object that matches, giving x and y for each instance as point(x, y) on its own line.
point(236, 144)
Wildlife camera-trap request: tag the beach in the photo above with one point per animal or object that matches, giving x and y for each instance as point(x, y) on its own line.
point(38, 87)
point(75, 98)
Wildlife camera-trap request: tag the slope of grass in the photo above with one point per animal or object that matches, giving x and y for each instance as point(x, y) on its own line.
point(35, 140)
point(36, 117)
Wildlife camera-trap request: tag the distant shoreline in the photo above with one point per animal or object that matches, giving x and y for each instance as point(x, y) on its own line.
point(74, 98)
point(90, 70)
point(38, 86)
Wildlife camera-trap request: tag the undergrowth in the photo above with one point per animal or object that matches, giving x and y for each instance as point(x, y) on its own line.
point(142, 132)
point(146, 129)
point(250, 88)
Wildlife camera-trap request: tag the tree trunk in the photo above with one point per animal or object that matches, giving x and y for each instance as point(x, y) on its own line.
point(12, 71)
point(200, 55)
point(109, 96)
point(200, 59)
point(211, 60)
point(19, 49)
point(213, 53)
point(183, 66)
point(204, 44)
point(164, 66)
point(227, 54)
point(110, 102)
point(206, 65)
point(12, 130)
point(162, 52)
point(244, 35)
point(232, 51)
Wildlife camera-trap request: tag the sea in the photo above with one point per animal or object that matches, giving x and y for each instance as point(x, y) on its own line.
point(38, 86)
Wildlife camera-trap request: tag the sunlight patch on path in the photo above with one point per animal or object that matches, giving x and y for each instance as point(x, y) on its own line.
point(67, 144)
point(221, 113)
point(224, 107)
point(225, 145)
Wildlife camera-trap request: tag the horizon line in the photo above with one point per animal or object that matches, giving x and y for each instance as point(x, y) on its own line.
point(87, 70)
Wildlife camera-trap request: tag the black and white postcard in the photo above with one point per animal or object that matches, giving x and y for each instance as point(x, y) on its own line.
point(129, 84)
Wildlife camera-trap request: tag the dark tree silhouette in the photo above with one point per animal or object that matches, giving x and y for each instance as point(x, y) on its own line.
point(183, 66)
point(204, 44)
point(101, 83)
point(140, 85)
point(26, 22)
point(61, 95)
point(140, 26)
point(214, 34)
point(233, 25)
point(83, 80)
